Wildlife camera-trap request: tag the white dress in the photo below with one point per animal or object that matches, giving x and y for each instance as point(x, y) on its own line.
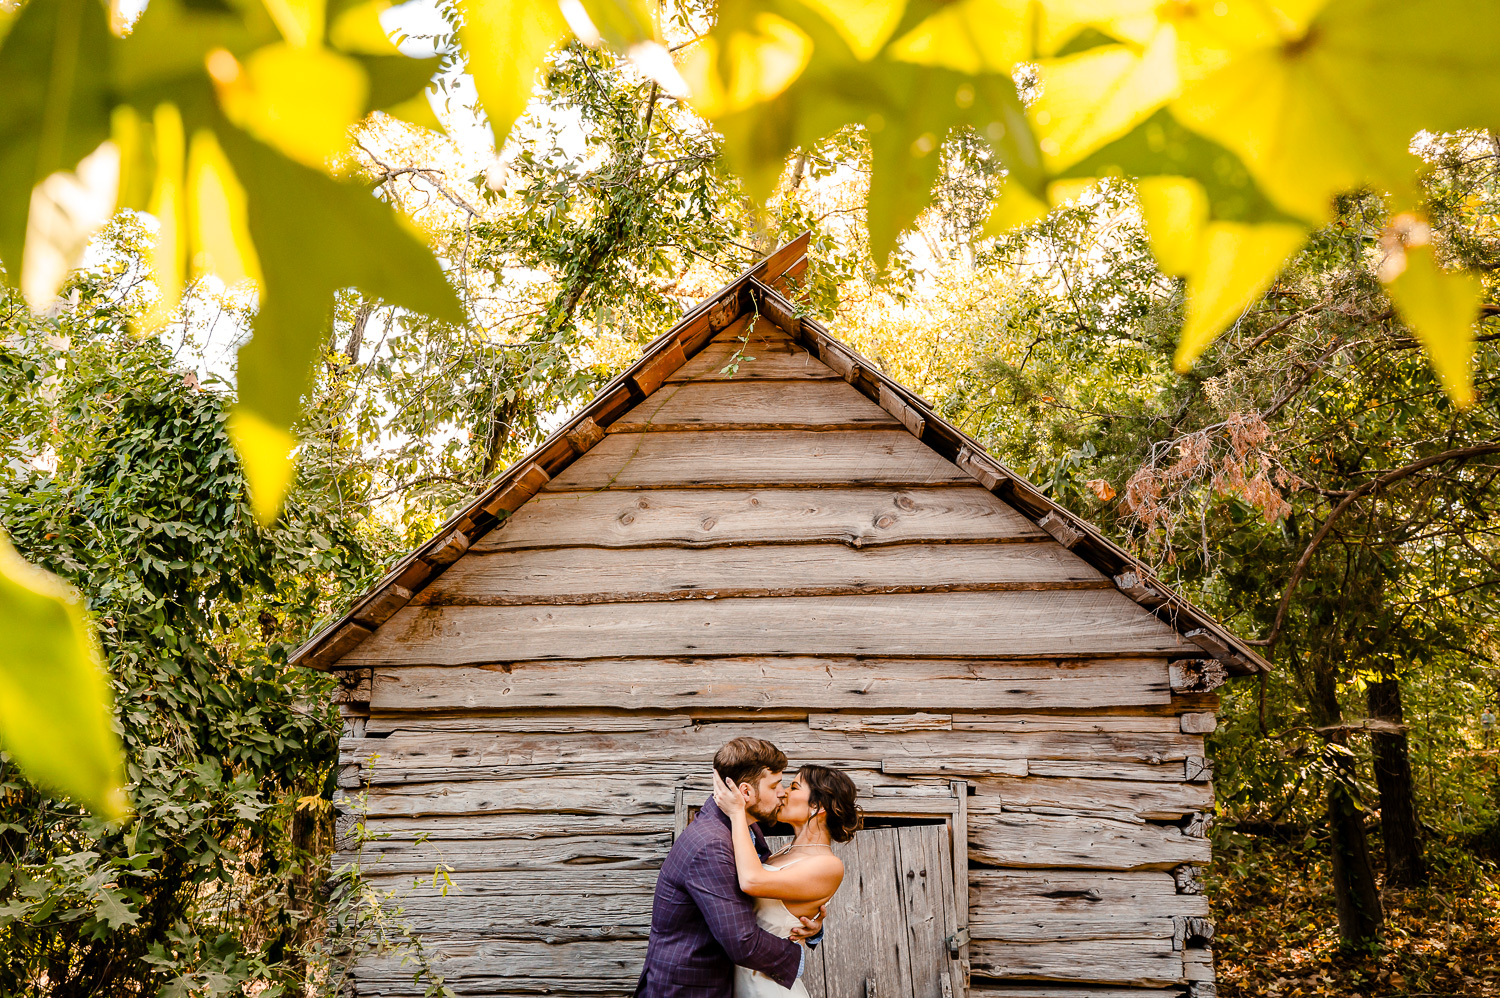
point(773, 916)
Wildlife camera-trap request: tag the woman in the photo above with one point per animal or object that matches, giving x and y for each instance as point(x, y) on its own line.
point(802, 877)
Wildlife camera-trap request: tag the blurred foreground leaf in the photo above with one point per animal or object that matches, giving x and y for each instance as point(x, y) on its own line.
point(55, 713)
point(343, 238)
point(1335, 105)
point(1440, 306)
point(54, 107)
point(778, 75)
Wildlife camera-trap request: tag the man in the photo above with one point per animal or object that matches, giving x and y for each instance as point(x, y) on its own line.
point(702, 924)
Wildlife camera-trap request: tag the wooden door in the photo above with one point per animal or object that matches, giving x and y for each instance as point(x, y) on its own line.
point(889, 925)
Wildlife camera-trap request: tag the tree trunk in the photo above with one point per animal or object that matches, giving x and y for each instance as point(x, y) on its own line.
point(1404, 864)
point(1356, 895)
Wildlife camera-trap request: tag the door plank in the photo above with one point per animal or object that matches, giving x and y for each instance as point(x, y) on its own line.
point(859, 517)
point(596, 575)
point(935, 625)
point(737, 458)
point(928, 899)
point(876, 945)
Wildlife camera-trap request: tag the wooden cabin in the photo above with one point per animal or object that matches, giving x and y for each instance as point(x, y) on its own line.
point(754, 530)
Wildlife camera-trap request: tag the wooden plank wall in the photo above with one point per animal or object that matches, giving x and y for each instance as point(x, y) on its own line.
point(758, 549)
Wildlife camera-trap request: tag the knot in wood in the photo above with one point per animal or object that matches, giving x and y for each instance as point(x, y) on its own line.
point(885, 522)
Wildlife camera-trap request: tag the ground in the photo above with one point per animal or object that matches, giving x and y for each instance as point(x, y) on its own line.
point(1276, 932)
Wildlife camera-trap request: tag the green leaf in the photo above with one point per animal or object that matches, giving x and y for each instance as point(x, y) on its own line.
point(506, 41)
point(56, 717)
point(54, 75)
point(1440, 306)
point(920, 106)
point(111, 909)
point(167, 49)
point(314, 236)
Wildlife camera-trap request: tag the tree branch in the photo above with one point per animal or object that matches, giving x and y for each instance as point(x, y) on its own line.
point(1389, 478)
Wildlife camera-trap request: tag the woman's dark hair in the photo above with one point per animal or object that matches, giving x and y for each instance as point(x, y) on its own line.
point(833, 792)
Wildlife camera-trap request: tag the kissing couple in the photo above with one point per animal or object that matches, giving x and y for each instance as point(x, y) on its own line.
point(729, 919)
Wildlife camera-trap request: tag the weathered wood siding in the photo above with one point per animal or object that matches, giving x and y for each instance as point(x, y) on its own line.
point(758, 548)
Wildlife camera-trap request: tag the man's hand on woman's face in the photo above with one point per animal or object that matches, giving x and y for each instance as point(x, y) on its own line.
point(731, 799)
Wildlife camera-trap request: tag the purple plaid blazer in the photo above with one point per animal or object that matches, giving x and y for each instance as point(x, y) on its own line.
point(702, 924)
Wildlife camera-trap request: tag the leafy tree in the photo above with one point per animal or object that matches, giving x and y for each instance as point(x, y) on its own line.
point(217, 878)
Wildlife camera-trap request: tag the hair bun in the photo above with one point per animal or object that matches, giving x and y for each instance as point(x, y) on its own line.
point(834, 793)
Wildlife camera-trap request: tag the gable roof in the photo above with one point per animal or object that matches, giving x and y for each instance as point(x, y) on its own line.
point(758, 290)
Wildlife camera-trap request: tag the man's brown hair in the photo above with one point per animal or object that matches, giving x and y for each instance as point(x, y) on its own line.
point(745, 760)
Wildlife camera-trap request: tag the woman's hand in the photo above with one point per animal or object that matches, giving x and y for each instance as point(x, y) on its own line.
point(728, 796)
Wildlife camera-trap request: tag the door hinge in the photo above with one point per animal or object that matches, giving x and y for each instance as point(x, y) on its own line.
point(958, 941)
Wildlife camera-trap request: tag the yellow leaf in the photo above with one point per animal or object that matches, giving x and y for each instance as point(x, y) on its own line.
point(506, 41)
point(1237, 262)
point(302, 101)
point(358, 29)
point(1098, 95)
point(266, 456)
point(1016, 206)
point(217, 215)
point(754, 65)
point(132, 140)
point(1332, 104)
point(864, 24)
point(1211, 34)
point(299, 21)
point(971, 36)
point(167, 256)
point(1175, 210)
point(1440, 306)
point(975, 36)
point(56, 717)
